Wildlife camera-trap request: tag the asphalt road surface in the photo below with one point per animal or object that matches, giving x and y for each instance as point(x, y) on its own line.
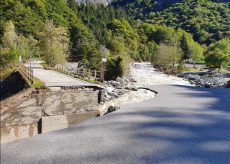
point(181, 125)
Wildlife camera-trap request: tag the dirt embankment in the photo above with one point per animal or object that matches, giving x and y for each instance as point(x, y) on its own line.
point(12, 85)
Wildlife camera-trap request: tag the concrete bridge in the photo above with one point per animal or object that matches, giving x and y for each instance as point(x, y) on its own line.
point(56, 79)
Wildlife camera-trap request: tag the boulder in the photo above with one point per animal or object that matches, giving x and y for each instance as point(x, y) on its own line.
point(120, 80)
point(115, 83)
point(228, 84)
point(112, 109)
point(113, 94)
point(110, 89)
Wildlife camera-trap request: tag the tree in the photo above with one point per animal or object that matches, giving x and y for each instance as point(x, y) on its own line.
point(9, 49)
point(115, 68)
point(196, 53)
point(33, 47)
point(54, 43)
point(117, 46)
point(219, 54)
point(144, 52)
point(23, 46)
point(164, 34)
point(185, 46)
point(10, 37)
point(28, 47)
point(166, 56)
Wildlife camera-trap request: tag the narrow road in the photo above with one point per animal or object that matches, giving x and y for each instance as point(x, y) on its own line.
point(183, 124)
point(56, 79)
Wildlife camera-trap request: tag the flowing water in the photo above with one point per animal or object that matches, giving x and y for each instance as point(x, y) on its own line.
point(145, 75)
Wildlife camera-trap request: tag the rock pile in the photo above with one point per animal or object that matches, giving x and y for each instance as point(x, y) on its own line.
point(206, 80)
point(114, 89)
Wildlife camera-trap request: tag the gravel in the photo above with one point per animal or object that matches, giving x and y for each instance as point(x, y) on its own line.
point(205, 79)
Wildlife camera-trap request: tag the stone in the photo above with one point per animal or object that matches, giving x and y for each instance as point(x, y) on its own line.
point(115, 83)
point(121, 92)
point(113, 94)
point(110, 89)
point(107, 96)
point(228, 84)
point(204, 79)
point(134, 89)
point(112, 109)
point(118, 79)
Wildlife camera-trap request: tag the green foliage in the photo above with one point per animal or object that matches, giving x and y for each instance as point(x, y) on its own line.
point(28, 47)
point(6, 58)
point(77, 31)
point(219, 54)
point(207, 20)
point(29, 18)
point(196, 53)
point(9, 49)
point(166, 56)
point(37, 83)
point(115, 68)
point(117, 46)
point(141, 9)
point(53, 44)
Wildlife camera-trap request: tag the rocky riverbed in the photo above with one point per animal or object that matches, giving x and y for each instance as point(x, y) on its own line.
point(207, 79)
point(134, 87)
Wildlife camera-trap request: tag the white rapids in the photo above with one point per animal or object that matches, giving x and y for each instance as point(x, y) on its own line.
point(145, 75)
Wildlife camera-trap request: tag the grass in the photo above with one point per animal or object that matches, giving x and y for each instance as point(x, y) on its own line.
point(37, 83)
point(6, 71)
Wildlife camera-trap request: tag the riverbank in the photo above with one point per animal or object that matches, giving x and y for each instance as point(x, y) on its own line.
point(141, 75)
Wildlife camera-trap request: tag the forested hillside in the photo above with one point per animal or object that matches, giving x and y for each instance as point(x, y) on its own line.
point(60, 31)
point(105, 2)
point(207, 20)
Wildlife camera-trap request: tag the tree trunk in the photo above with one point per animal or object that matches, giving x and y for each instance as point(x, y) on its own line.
point(194, 65)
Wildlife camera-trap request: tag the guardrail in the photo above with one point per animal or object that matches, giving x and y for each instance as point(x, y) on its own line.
point(27, 73)
point(80, 72)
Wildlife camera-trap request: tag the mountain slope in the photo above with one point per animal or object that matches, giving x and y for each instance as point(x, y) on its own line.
point(207, 20)
point(105, 2)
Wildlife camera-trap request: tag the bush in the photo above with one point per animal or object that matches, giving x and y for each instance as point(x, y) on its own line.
point(115, 68)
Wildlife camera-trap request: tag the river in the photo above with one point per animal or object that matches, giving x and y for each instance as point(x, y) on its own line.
point(145, 75)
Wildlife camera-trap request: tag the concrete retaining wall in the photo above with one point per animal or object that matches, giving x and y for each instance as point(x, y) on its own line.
point(56, 110)
point(46, 124)
point(52, 123)
point(69, 101)
point(12, 133)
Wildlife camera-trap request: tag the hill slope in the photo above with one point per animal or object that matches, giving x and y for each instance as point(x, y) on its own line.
point(207, 20)
point(105, 2)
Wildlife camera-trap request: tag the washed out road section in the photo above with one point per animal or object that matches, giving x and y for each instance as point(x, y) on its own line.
point(182, 124)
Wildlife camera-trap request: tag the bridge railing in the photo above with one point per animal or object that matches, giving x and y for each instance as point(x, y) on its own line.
point(80, 72)
point(27, 73)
